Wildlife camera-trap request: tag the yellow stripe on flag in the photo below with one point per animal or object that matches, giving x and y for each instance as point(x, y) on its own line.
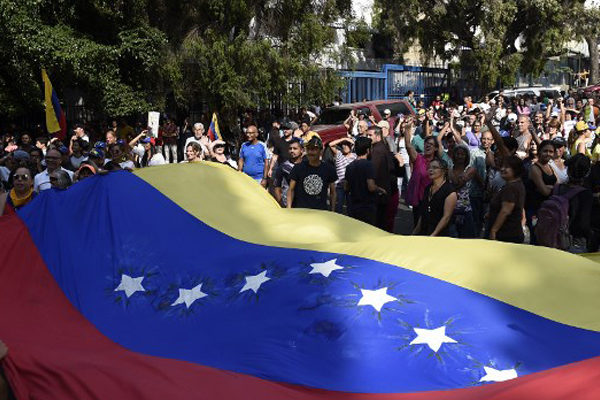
point(52, 124)
point(554, 284)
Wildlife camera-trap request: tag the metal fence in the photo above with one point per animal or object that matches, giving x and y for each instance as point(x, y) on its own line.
point(393, 81)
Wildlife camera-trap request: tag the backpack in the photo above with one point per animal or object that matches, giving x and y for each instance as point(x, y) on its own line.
point(552, 228)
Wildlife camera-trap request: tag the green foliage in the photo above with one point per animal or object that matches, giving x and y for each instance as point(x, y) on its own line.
point(88, 45)
point(127, 56)
point(359, 35)
point(483, 35)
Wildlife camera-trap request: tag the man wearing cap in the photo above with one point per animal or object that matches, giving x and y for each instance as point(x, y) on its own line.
point(53, 160)
point(311, 179)
point(581, 137)
point(80, 132)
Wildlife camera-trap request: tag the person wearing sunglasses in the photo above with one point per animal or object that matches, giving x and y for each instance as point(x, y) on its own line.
point(53, 163)
point(20, 194)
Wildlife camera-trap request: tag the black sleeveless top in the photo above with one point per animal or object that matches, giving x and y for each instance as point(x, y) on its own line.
point(432, 209)
point(534, 197)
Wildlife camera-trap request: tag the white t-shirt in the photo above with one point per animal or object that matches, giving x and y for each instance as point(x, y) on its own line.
point(127, 164)
point(4, 173)
point(568, 127)
point(42, 180)
point(76, 161)
point(156, 159)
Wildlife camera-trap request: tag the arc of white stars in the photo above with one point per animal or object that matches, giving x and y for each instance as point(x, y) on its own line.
point(189, 296)
point(498, 375)
point(375, 298)
point(130, 285)
point(434, 338)
point(325, 268)
point(254, 282)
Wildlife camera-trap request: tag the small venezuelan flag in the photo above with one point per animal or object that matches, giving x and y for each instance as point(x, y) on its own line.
point(213, 130)
point(56, 122)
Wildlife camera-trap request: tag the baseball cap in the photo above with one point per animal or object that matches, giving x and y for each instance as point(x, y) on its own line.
point(421, 111)
point(387, 112)
point(314, 142)
point(512, 117)
point(20, 155)
point(96, 153)
point(559, 141)
point(581, 126)
point(554, 114)
point(146, 140)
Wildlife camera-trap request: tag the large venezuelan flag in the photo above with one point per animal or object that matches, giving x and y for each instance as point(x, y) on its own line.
point(135, 286)
point(56, 122)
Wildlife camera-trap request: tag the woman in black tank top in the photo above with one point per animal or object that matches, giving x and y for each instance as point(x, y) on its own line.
point(540, 183)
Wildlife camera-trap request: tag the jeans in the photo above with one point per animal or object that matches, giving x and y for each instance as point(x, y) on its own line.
point(170, 153)
point(478, 213)
point(463, 226)
point(341, 199)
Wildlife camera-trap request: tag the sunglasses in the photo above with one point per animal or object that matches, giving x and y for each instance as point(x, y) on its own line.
point(23, 177)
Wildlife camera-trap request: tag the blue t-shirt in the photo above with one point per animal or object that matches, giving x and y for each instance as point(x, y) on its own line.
point(254, 156)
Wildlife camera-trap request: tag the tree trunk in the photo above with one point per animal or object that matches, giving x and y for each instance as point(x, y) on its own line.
point(592, 43)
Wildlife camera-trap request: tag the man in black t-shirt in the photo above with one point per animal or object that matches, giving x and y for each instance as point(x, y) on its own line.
point(360, 184)
point(310, 180)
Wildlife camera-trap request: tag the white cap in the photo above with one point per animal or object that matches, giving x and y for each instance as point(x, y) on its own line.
point(512, 117)
point(387, 111)
point(554, 114)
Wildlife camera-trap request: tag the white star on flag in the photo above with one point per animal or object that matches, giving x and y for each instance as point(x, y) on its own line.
point(130, 285)
point(325, 268)
point(375, 298)
point(189, 296)
point(498, 375)
point(434, 338)
point(253, 282)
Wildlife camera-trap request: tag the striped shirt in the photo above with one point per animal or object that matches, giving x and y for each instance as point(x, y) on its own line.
point(341, 162)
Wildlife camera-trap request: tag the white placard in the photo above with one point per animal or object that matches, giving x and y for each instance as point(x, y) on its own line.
point(153, 123)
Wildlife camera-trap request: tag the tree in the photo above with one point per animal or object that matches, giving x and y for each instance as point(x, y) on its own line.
point(587, 26)
point(246, 54)
point(129, 56)
point(495, 37)
point(106, 49)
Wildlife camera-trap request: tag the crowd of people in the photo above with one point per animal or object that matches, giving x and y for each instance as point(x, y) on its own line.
point(520, 169)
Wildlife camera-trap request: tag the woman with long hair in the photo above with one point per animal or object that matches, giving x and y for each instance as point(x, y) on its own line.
point(540, 184)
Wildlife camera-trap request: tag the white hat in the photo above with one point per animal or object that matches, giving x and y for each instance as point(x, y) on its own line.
point(387, 112)
point(512, 117)
point(554, 114)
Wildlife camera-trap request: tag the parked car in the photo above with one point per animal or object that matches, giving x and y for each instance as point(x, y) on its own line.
point(330, 125)
point(552, 92)
point(590, 90)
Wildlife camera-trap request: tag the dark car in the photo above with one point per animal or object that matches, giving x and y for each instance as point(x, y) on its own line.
point(330, 125)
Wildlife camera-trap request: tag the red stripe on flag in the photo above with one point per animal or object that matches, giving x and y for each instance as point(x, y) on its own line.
point(54, 352)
